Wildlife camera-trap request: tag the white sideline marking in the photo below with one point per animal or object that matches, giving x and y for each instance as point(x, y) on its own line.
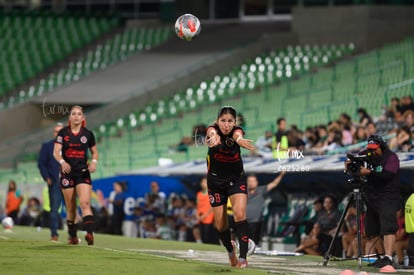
point(141, 251)
point(136, 251)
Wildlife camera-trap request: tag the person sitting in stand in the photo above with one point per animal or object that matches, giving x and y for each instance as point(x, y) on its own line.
point(324, 229)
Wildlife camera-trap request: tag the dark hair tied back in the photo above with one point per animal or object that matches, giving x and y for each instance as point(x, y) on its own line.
point(227, 110)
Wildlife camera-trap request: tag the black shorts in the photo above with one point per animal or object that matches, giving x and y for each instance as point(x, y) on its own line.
point(381, 217)
point(73, 179)
point(220, 189)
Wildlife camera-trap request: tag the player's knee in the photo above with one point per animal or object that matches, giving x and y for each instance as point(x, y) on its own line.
point(239, 216)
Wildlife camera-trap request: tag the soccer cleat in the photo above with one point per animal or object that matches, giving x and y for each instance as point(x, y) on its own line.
point(383, 262)
point(242, 263)
point(89, 238)
point(232, 255)
point(54, 239)
point(251, 247)
point(373, 263)
point(74, 240)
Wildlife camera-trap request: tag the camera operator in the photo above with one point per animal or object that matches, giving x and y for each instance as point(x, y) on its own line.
point(381, 188)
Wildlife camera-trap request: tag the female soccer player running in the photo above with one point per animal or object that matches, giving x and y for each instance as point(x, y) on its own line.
point(226, 180)
point(71, 151)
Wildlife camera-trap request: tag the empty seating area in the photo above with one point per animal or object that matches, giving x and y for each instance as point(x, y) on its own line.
point(31, 44)
point(115, 49)
point(112, 50)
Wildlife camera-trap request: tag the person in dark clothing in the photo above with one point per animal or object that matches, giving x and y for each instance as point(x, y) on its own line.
point(118, 214)
point(71, 151)
point(31, 215)
point(364, 117)
point(382, 193)
point(319, 238)
point(407, 104)
point(256, 197)
point(226, 180)
point(281, 129)
point(318, 208)
point(49, 169)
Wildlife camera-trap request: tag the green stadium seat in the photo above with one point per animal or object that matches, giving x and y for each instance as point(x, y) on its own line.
point(304, 98)
point(36, 41)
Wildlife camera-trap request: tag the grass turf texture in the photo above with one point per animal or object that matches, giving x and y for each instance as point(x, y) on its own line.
point(27, 250)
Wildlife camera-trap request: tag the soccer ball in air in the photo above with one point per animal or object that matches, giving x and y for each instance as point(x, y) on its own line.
point(7, 223)
point(187, 27)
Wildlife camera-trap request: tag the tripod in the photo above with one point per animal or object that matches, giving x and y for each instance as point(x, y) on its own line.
point(357, 196)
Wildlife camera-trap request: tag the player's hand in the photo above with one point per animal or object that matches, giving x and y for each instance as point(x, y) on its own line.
point(66, 167)
point(213, 140)
point(246, 143)
point(92, 167)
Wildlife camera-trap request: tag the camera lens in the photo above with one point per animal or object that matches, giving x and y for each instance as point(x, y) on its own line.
point(353, 167)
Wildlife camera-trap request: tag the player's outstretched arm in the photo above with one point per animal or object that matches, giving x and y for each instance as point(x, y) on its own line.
point(245, 143)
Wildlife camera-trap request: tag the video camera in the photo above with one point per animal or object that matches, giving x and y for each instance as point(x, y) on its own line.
point(357, 161)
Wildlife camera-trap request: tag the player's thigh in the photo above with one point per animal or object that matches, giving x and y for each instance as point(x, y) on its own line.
point(69, 195)
point(84, 192)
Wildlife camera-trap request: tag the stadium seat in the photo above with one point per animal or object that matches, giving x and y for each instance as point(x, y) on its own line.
point(307, 96)
point(34, 42)
point(121, 46)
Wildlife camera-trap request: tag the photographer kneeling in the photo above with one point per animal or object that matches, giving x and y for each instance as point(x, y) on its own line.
point(381, 188)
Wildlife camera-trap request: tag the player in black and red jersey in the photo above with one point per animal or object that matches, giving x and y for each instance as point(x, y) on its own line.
point(226, 180)
point(71, 151)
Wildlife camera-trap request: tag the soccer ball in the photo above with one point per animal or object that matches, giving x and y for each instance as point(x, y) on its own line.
point(7, 223)
point(187, 27)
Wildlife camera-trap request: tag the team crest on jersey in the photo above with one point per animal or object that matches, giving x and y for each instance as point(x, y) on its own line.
point(65, 182)
point(211, 198)
point(229, 142)
point(83, 139)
